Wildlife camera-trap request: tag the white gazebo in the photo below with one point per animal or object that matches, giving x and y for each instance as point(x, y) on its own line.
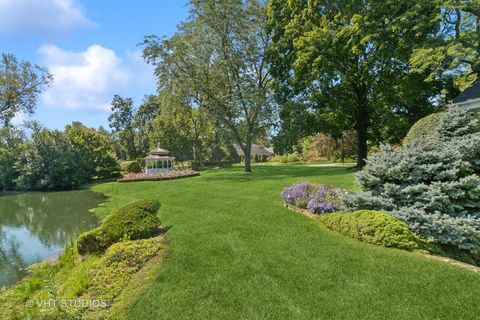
point(158, 161)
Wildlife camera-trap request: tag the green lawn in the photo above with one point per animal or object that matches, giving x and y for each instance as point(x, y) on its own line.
point(237, 253)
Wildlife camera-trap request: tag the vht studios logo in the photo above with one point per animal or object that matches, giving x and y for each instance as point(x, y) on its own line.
point(54, 303)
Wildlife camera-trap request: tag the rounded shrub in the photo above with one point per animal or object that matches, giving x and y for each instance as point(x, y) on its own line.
point(134, 167)
point(374, 227)
point(136, 220)
point(423, 127)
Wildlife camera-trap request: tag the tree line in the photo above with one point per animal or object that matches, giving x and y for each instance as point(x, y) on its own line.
point(239, 72)
point(53, 159)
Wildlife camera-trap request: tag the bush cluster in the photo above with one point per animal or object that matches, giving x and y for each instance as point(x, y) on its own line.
point(135, 220)
point(53, 159)
point(315, 198)
point(287, 158)
point(432, 184)
point(323, 147)
point(374, 227)
point(134, 167)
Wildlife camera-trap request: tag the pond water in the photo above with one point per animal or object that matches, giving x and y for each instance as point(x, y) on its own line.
point(36, 226)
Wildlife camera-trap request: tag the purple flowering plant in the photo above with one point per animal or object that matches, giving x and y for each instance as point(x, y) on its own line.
point(315, 198)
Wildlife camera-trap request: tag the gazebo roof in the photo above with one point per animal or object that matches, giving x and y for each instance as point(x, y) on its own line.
point(158, 157)
point(159, 151)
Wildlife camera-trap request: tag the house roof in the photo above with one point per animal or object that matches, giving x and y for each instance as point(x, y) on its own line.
point(471, 93)
point(256, 149)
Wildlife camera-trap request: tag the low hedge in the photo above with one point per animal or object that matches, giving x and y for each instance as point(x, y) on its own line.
point(136, 220)
point(130, 166)
point(374, 227)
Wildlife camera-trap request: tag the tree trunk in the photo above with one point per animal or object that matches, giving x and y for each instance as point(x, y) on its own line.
point(248, 155)
point(194, 152)
point(362, 123)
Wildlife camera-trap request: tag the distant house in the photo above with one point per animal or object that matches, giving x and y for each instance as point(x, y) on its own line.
point(469, 99)
point(256, 152)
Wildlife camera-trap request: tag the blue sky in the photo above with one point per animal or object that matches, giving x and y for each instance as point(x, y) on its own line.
point(91, 48)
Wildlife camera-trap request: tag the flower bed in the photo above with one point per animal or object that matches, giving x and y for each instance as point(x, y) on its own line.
point(314, 198)
point(166, 175)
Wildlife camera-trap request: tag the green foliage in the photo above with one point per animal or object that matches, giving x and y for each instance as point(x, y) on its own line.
point(423, 127)
point(142, 123)
point(106, 278)
point(11, 144)
point(121, 121)
point(20, 85)
point(48, 162)
point(346, 65)
point(188, 131)
point(135, 220)
point(321, 147)
point(133, 167)
point(52, 159)
point(208, 64)
point(373, 227)
point(287, 158)
point(432, 184)
point(260, 158)
point(94, 154)
point(452, 55)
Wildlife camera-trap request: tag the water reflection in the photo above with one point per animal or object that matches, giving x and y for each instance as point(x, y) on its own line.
point(36, 226)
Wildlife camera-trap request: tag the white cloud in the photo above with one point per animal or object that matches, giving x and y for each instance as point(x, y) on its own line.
point(41, 17)
point(87, 80)
point(19, 119)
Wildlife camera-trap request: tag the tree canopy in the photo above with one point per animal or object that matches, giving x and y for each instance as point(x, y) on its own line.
point(347, 63)
point(20, 84)
point(218, 60)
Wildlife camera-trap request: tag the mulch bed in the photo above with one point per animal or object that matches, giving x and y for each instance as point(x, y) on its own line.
point(167, 175)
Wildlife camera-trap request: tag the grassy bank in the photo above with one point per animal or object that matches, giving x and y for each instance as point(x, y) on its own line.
point(236, 252)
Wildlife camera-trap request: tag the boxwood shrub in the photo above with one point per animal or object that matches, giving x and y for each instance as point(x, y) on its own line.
point(374, 227)
point(134, 167)
point(423, 127)
point(135, 220)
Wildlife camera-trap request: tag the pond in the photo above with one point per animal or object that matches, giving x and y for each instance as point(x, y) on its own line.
point(36, 227)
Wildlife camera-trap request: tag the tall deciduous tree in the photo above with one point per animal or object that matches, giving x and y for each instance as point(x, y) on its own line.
point(220, 54)
point(121, 121)
point(349, 60)
point(453, 53)
point(142, 122)
point(20, 84)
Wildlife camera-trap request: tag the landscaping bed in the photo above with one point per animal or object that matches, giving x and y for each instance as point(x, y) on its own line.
point(167, 175)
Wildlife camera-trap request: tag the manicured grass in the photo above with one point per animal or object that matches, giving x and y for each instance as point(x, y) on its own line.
point(236, 253)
